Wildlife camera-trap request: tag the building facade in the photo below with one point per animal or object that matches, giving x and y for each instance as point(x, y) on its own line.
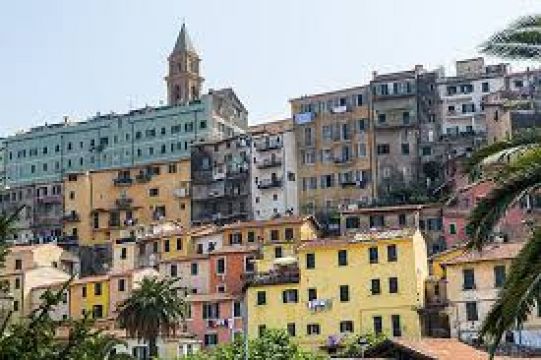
point(221, 181)
point(334, 151)
point(316, 300)
point(274, 170)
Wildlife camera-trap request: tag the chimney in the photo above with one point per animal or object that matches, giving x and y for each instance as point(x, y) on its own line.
point(66, 119)
point(418, 69)
point(374, 74)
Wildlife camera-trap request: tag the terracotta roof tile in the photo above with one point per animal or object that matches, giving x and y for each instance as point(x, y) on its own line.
point(273, 222)
point(359, 237)
point(210, 297)
point(488, 253)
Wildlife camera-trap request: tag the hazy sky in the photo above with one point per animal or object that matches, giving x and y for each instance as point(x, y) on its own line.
point(78, 57)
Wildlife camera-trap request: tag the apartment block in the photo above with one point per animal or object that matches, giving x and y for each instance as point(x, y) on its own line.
point(221, 181)
point(316, 300)
point(142, 136)
point(40, 219)
point(334, 151)
point(462, 111)
point(274, 170)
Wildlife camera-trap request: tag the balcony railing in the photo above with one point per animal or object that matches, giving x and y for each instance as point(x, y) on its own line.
point(123, 181)
point(50, 199)
point(68, 239)
point(124, 203)
point(269, 163)
point(270, 145)
point(72, 216)
point(143, 178)
point(269, 183)
point(181, 192)
point(273, 277)
point(342, 160)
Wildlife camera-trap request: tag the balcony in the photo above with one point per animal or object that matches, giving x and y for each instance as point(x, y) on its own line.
point(269, 183)
point(181, 192)
point(288, 275)
point(124, 203)
point(68, 239)
point(342, 160)
point(123, 181)
point(268, 145)
point(50, 199)
point(143, 178)
point(72, 216)
point(269, 163)
point(352, 182)
point(394, 123)
point(114, 223)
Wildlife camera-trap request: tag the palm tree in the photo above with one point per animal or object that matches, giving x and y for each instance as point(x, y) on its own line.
point(521, 40)
point(153, 309)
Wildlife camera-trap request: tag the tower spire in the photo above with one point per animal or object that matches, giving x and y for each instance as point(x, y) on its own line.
point(184, 43)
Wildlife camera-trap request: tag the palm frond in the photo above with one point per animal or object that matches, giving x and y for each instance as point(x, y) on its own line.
point(519, 295)
point(521, 40)
point(488, 212)
point(522, 141)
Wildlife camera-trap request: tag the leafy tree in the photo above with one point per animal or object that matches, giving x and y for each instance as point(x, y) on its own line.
point(153, 309)
point(353, 347)
point(272, 344)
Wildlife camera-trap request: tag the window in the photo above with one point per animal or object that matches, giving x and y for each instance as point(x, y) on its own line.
point(220, 266)
point(210, 339)
point(499, 275)
point(275, 235)
point(153, 192)
point(211, 311)
point(378, 325)
point(251, 236)
point(391, 253)
point(172, 168)
point(346, 326)
point(405, 149)
point(17, 283)
point(375, 287)
point(123, 253)
point(83, 291)
point(312, 294)
point(278, 252)
point(373, 255)
point(344, 293)
point(18, 264)
point(313, 329)
point(173, 270)
point(179, 244)
point(381, 118)
point(166, 246)
point(290, 296)
point(121, 284)
point(97, 311)
point(237, 309)
point(383, 149)
point(291, 329)
point(289, 234)
point(469, 279)
point(249, 264)
point(395, 319)
point(194, 269)
point(342, 257)
point(393, 285)
point(261, 330)
point(310, 261)
point(452, 229)
point(485, 87)
point(261, 297)
point(97, 289)
point(471, 311)
point(406, 117)
point(402, 219)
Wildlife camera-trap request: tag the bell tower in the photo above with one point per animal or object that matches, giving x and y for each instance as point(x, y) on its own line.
point(183, 79)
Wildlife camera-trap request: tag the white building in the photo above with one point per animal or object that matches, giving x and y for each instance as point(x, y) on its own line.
point(274, 166)
point(461, 96)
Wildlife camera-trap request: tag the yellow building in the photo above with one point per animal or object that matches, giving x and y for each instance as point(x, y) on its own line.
point(279, 237)
point(90, 295)
point(474, 280)
point(369, 282)
point(103, 206)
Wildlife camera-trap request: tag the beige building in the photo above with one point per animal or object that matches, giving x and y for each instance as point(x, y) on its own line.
point(474, 280)
point(334, 142)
